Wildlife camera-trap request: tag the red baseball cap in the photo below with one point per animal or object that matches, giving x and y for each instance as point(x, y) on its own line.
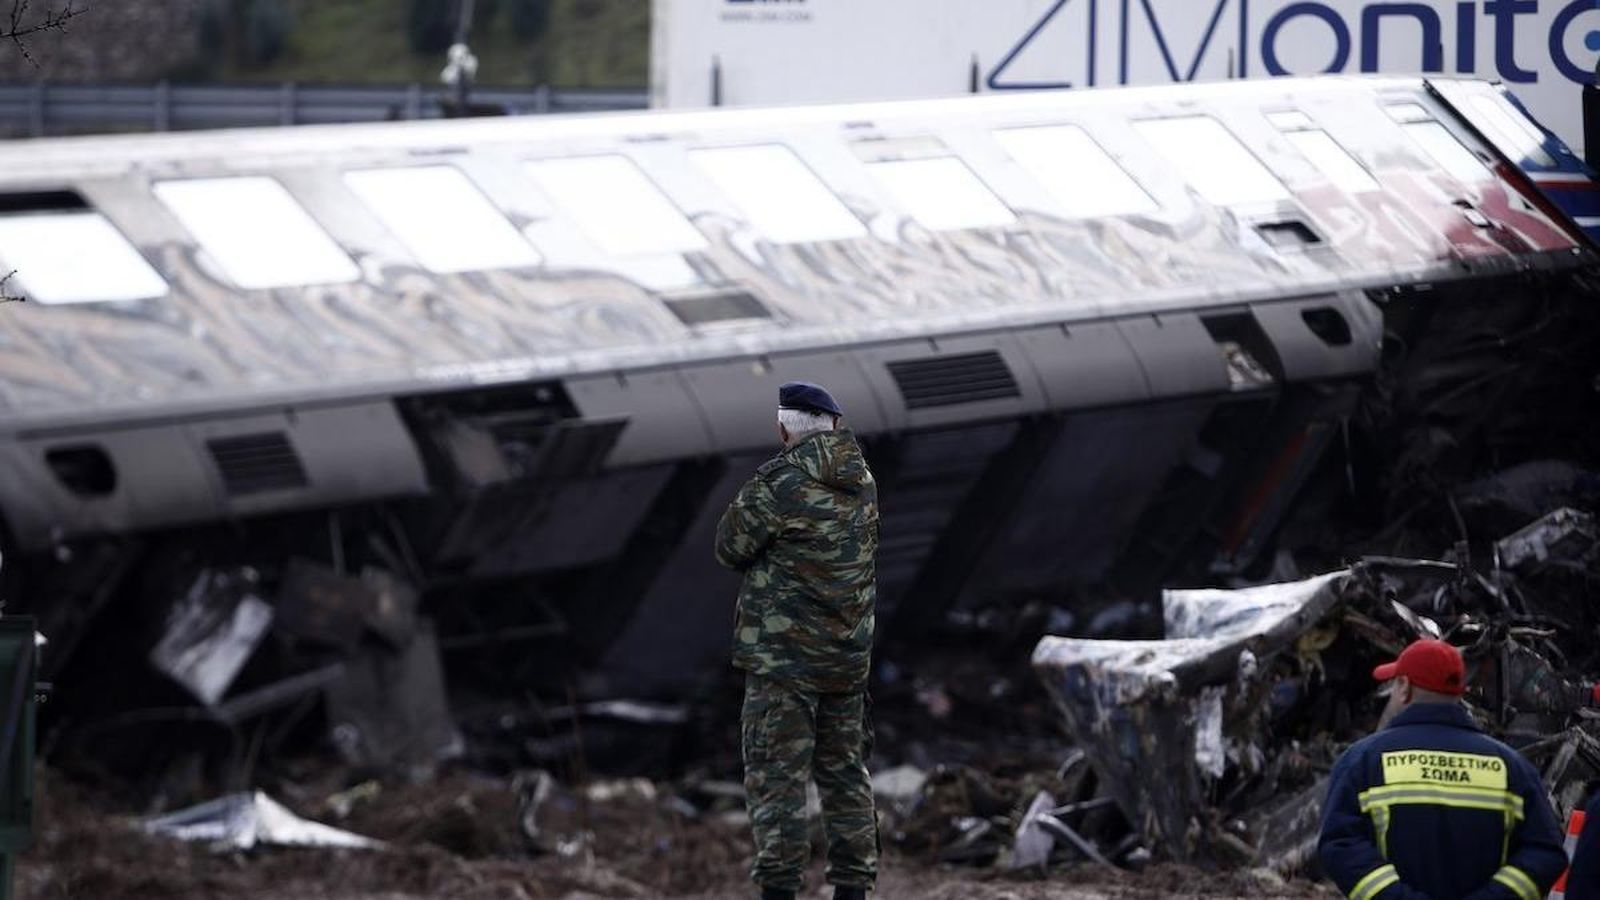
point(1431, 665)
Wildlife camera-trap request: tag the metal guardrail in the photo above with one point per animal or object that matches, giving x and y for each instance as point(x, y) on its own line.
point(41, 108)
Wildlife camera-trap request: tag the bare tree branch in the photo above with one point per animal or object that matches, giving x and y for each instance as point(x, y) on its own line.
point(19, 25)
point(15, 27)
point(5, 294)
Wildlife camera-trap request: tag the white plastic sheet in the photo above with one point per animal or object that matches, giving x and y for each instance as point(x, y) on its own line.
point(241, 821)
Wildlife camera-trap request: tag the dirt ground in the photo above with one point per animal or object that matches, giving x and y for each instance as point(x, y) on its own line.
point(458, 838)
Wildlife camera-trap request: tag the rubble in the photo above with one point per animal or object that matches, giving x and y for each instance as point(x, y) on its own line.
point(1208, 745)
point(1203, 737)
point(1215, 741)
point(245, 820)
point(1042, 826)
point(390, 710)
point(1566, 537)
point(211, 631)
point(435, 849)
point(1151, 714)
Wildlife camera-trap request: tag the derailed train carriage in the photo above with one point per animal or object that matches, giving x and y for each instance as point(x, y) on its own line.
point(1092, 341)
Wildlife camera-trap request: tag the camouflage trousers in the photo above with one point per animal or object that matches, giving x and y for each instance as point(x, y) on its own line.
point(792, 737)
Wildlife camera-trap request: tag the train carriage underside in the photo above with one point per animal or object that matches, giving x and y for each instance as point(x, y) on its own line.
point(1341, 354)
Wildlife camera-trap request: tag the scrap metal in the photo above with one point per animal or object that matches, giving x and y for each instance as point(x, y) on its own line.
point(1215, 741)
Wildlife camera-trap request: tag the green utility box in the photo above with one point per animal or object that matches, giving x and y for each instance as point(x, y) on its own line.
point(19, 657)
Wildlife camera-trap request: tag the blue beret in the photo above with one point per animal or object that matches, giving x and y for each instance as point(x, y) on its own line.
point(809, 397)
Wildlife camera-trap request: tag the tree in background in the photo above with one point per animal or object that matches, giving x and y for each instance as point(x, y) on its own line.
point(431, 24)
point(530, 18)
point(26, 22)
point(254, 33)
point(16, 30)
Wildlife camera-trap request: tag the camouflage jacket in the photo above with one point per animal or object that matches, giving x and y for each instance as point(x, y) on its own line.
point(804, 531)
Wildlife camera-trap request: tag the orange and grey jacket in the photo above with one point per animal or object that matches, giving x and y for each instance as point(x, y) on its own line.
point(1431, 808)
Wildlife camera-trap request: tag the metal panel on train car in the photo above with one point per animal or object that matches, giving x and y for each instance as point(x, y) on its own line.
point(153, 476)
point(663, 420)
point(953, 379)
point(1085, 365)
point(740, 398)
point(1323, 337)
point(1178, 354)
point(310, 456)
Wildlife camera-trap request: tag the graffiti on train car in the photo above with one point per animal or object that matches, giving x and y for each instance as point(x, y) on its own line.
point(401, 322)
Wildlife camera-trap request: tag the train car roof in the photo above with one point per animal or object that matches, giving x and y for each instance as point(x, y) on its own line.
point(29, 155)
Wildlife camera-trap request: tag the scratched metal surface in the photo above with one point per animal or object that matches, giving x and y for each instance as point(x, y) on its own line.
point(402, 327)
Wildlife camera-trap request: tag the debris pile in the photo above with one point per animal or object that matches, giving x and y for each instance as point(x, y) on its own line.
point(1209, 746)
point(245, 667)
point(242, 821)
point(1215, 742)
point(460, 836)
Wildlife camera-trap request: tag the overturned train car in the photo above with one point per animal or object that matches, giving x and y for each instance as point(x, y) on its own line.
point(1092, 342)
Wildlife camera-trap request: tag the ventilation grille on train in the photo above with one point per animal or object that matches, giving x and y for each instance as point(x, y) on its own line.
point(253, 463)
point(949, 380)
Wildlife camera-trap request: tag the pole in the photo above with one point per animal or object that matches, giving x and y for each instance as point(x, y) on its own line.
point(1591, 119)
point(464, 81)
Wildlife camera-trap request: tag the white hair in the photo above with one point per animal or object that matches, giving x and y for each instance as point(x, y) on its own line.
point(802, 422)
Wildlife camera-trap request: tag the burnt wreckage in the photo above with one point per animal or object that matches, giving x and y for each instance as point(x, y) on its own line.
point(327, 411)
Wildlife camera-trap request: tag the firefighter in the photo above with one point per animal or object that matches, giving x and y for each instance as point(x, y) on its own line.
point(1430, 807)
point(803, 531)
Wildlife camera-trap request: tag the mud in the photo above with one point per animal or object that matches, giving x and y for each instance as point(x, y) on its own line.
point(460, 838)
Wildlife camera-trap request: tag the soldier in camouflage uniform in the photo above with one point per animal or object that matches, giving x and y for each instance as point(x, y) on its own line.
point(804, 531)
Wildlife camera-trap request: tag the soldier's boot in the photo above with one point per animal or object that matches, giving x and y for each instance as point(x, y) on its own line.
point(849, 893)
point(775, 894)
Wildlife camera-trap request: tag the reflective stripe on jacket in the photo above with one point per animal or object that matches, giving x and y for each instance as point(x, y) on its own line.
point(1431, 808)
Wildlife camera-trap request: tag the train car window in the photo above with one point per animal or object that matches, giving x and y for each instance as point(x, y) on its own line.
point(1332, 160)
point(942, 193)
point(255, 231)
point(1451, 155)
point(1510, 130)
point(442, 218)
point(1082, 178)
point(72, 256)
point(1213, 161)
point(779, 195)
point(617, 205)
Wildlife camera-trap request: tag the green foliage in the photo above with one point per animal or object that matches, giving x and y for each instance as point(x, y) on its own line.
point(530, 18)
point(484, 12)
point(246, 33)
point(212, 21)
point(597, 43)
point(267, 29)
point(431, 25)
